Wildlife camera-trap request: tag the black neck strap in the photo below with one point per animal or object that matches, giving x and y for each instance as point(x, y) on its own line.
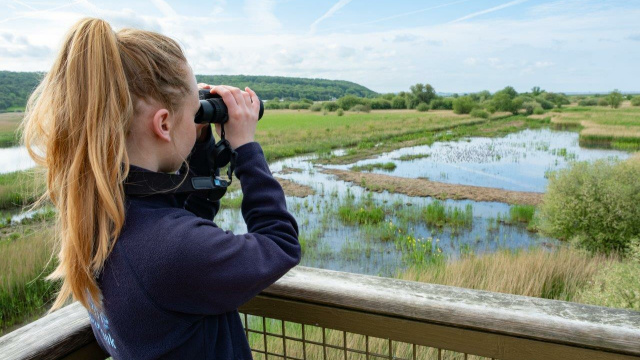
point(140, 183)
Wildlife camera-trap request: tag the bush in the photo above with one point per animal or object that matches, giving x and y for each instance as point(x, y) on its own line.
point(479, 113)
point(442, 104)
point(538, 111)
point(398, 102)
point(546, 104)
point(530, 107)
point(316, 107)
point(594, 205)
point(423, 107)
point(348, 101)
point(272, 105)
point(299, 105)
point(503, 102)
point(615, 99)
point(340, 112)
point(361, 108)
point(380, 104)
point(463, 105)
point(603, 102)
point(330, 106)
point(635, 101)
point(588, 102)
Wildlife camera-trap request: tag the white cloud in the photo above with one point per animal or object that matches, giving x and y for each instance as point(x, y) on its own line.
point(557, 51)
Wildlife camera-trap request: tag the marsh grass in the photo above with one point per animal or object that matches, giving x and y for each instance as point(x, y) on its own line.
point(25, 263)
point(410, 157)
point(537, 272)
point(439, 214)
point(388, 166)
point(522, 213)
point(21, 188)
point(8, 128)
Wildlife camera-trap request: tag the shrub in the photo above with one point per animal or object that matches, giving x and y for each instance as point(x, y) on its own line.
point(398, 102)
point(423, 107)
point(316, 107)
point(479, 113)
point(299, 105)
point(380, 104)
point(361, 108)
point(603, 102)
point(340, 112)
point(442, 104)
point(594, 205)
point(272, 105)
point(635, 101)
point(546, 104)
point(615, 99)
point(463, 105)
point(330, 106)
point(503, 102)
point(538, 111)
point(530, 107)
point(348, 101)
point(588, 102)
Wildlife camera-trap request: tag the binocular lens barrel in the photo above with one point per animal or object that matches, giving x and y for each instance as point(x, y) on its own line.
point(214, 111)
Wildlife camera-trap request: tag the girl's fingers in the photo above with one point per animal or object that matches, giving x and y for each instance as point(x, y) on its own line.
point(254, 97)
point(227, 97)
point(203, 86)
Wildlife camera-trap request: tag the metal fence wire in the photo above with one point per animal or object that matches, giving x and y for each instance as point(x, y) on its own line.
point(279, 339)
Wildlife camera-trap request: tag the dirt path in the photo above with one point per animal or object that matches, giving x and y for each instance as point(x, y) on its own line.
point(423, 188)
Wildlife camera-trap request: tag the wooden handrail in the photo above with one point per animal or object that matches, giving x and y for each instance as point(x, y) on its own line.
point(67, 332)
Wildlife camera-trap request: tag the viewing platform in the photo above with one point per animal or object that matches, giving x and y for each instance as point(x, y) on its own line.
point(321, 314)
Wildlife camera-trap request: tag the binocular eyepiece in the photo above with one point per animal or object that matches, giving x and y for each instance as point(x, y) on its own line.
point(213, 110)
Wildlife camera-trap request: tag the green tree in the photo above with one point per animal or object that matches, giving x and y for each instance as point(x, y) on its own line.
point(615, 99)
point(535, 91)
point(463, 105)
point(423, 93)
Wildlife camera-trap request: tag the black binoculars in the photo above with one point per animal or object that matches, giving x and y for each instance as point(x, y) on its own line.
point(213, 110)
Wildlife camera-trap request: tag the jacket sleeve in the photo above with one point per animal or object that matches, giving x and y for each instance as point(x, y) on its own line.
point(202, 269)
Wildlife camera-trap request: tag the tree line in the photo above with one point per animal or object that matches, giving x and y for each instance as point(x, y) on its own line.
point(15, 87)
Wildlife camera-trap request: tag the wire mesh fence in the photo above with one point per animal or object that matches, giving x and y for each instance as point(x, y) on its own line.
point(279, 339)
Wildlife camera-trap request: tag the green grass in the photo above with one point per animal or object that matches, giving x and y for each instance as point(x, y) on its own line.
point(439, 214)
point(20, 188)
point(522, 213)
point(24, 293)
point(410, 157)
point(388, 166)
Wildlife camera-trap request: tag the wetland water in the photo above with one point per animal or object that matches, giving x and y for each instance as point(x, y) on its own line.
point(516, 162)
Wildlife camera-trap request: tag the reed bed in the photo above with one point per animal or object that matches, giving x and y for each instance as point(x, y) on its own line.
point(25, 262)
point(537, 272)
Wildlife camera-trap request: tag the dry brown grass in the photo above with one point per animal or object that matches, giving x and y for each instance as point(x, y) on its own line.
point(292, 188)
point(423, 187)
point(557, 274)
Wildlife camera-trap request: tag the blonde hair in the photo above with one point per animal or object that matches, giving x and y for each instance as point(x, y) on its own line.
point(75, 125)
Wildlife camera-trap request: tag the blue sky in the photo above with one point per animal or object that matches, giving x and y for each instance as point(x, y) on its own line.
point(455, 45)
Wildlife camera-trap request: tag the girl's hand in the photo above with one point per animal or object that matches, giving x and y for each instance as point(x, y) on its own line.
point(243, 107)
point(201, 135)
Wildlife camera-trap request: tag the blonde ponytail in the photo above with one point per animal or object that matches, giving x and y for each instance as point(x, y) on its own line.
point(76, 124)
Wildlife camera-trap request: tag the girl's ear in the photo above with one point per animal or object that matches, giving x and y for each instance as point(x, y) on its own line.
point(161, 125)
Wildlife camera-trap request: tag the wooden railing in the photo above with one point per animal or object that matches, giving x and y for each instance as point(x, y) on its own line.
point(321, 314)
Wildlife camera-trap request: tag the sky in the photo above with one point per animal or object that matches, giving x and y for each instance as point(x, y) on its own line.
point(454, 45)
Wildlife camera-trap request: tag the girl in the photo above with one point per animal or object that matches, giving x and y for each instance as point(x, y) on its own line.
point(158, 281)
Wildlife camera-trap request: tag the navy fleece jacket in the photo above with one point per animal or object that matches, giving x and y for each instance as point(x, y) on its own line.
point(173, 283)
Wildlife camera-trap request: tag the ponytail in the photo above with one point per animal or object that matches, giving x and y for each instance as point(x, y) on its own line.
point(76, 124)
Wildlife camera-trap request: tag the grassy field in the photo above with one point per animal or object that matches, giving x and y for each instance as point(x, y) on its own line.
point(603, 126)
point(8, 125)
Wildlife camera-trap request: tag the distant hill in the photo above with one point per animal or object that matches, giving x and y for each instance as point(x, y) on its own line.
point(15, 87)
point(268, 87)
